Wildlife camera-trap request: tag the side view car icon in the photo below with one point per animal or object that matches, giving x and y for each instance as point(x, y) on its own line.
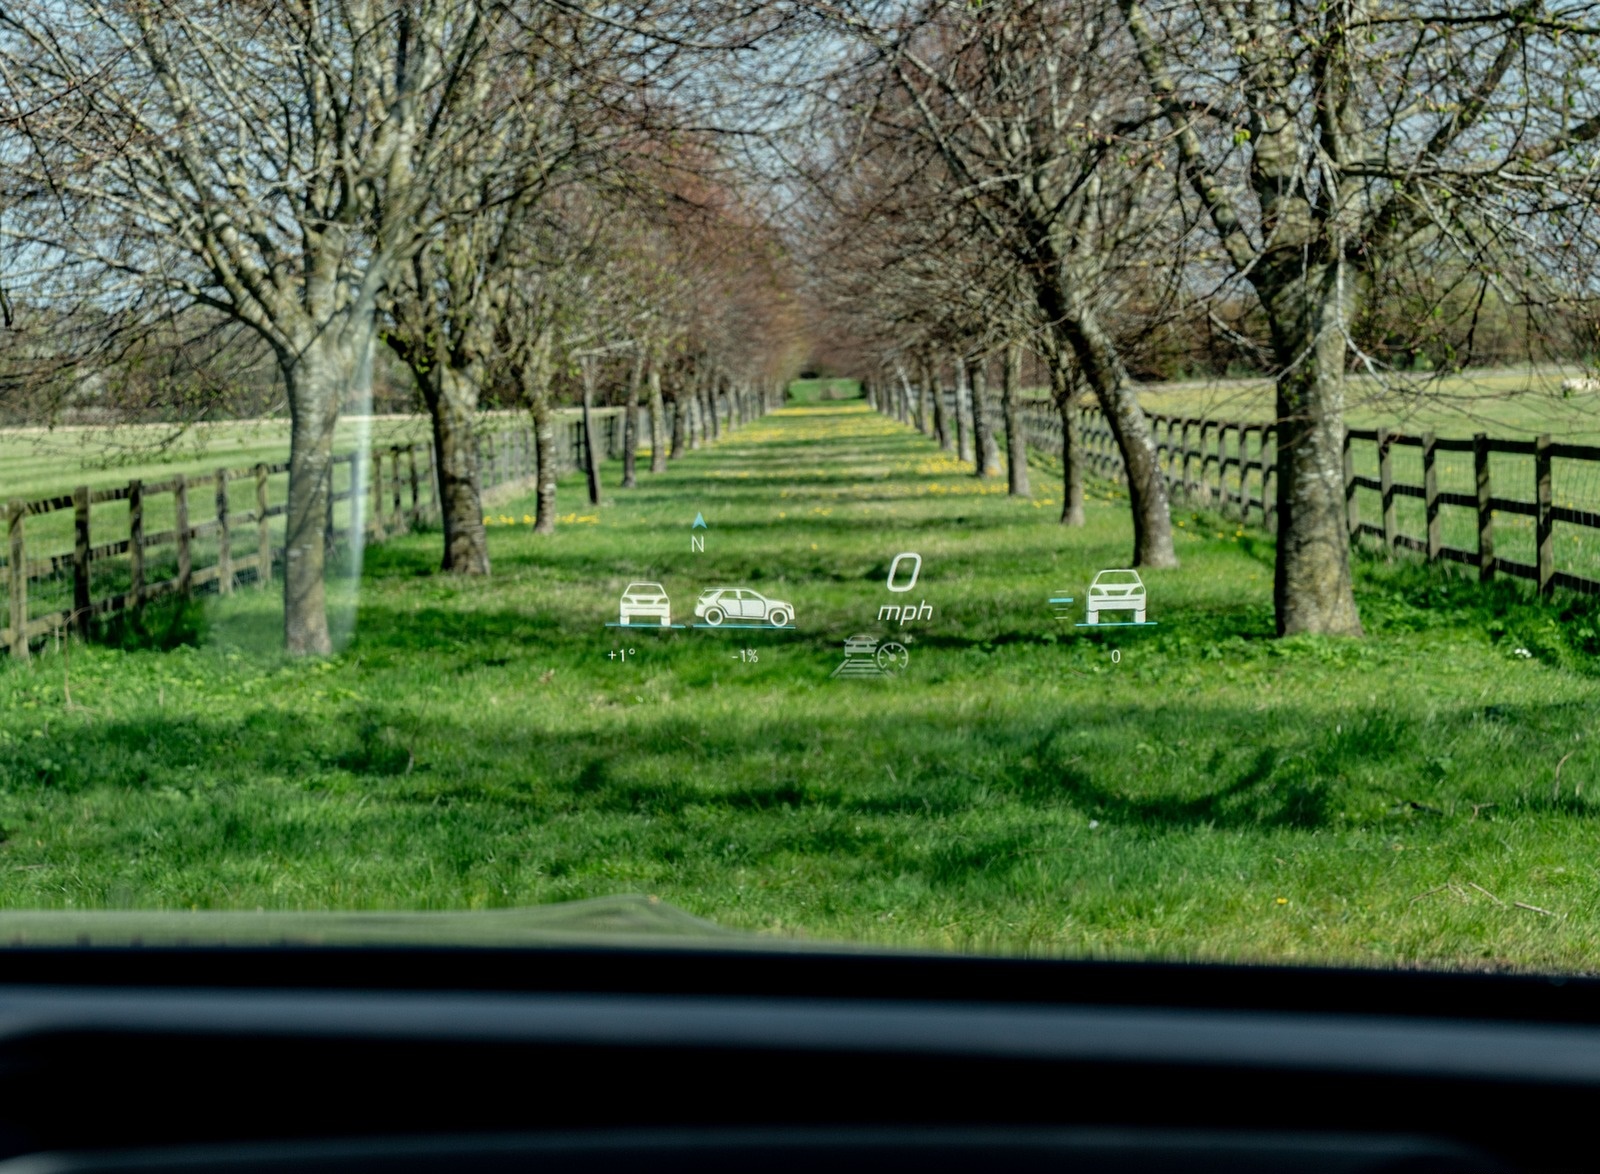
point(1116, 591)
point(740, 605)
point(645, 601)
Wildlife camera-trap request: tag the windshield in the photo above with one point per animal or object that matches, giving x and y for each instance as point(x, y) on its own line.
point(854, 526)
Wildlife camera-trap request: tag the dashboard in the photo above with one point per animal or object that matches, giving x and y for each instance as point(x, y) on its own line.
point(672, 1058)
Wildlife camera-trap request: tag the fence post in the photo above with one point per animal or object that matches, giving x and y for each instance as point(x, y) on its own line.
point(398, 511)
point(1480, 466)
point(328, 536)
point(1183, 461)
point(1269, 469)
point(80, 559)
point(180, 497)
point(1386, 489)
point(1259, 464)
point(18, 571)
point(374, 471)
point(1545, 528)
point(224, 537)
point(416, 487)
point(1430, 496)
point(1238, 466)
point(263, 531)
point(1352, 502)
point(136, 542)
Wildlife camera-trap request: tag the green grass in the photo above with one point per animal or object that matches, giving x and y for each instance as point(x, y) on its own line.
point(1208, 793)
point(1513, 403)
point(40, 462)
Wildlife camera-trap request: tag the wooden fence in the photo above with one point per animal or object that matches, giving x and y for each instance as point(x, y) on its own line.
point(137, 542)
point(1442, 508)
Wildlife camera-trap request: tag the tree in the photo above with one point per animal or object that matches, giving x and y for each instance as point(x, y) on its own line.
point(275, 163)
point(1322, 140)
point(1027, 112)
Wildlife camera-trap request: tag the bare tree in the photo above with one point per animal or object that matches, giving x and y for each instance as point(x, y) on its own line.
point(1028, 114)
point(1322, 139)
point(275, 163)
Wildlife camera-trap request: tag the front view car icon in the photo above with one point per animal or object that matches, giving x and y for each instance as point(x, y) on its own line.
point(1116, 591)
point(645, 601)
point(740, 605)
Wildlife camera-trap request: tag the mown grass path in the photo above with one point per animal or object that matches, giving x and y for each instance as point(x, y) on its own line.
point(1211, 792)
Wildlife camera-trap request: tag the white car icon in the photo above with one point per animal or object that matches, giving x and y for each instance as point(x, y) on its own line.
point(1116, 591)
point(742, 606)
point(646, 601)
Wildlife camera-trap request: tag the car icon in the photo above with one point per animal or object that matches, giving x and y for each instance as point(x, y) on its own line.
point(861, 646)
point(645, 601)
point(742, 606)
point(1116, 591)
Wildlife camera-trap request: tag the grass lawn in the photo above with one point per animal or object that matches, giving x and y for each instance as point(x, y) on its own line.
point(1514, 402)
point(1194, 790)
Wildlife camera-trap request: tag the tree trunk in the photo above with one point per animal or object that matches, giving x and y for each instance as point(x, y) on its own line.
point(941, 417)
point(630, 426)
point(710, 425)
point(925, 401)
point(680, 424)
point(985, 446)
point(317, 376)
point(452, 396)
point(544, 448)
point(963, 415)
point(1312, 590)
point(658, 424)
point(693, 419)
point(1016, 442)
point(591, 460)
point(1064, 390)
point(1147, 489)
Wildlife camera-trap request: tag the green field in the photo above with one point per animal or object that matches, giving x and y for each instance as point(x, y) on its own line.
point(1193, 790)
point(1515, 403)
point(41, 462)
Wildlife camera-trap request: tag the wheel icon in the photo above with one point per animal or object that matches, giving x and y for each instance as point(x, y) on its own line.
point(714, 616)
point(778, 616)
point(892, 657)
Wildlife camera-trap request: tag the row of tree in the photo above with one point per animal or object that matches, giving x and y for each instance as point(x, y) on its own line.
point(1075, 176)
point(518, 200)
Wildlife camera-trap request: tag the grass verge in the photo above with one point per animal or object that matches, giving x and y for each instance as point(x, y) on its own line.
point(1425, 795)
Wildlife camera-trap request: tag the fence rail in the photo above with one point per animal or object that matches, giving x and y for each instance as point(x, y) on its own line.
point(130, 544)
point(1230, 465)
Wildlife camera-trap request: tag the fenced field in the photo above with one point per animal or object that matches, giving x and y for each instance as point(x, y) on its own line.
point(105, 546)
point(1529, 509)
point(1427, 793)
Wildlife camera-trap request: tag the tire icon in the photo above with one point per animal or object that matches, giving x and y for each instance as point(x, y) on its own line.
point(778, 616)
point(714, 616)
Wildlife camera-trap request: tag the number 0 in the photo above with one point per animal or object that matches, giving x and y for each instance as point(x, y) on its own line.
point(1116, 656)
point(894, 568)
